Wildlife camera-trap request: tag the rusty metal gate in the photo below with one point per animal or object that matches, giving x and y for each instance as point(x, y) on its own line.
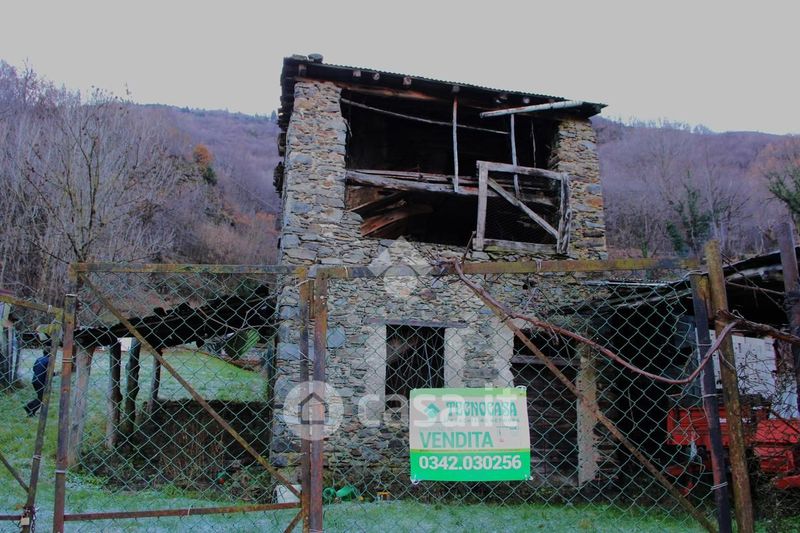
point(29, 330)
point(165, 409)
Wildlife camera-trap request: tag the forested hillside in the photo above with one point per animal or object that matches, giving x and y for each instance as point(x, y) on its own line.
point(668, 187)
point(97, 178)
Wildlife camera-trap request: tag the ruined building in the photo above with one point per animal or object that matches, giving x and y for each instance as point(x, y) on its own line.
point(381, 167)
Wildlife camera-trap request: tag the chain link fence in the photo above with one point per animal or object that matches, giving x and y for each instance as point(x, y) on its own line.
point(170, 406)
point(389, 336)
point(30, 334)
point(192, 397)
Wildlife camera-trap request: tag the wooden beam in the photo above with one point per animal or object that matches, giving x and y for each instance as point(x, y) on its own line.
point(400, 184)
point(533, 360)
point(378, 203)
point(428, 177)
point(376, 223)
point(531, 109)
point(404, 184)
point(525, 209)
point(480, 230)
point(737, 451)
point(493, 166)
point(455, 143)
point(513, 139)
point(413, 322)
point(419, 119)
point(565, 218)
point(499, 245)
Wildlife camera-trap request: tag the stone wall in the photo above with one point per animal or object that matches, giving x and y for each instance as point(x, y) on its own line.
point(317, 229)
point(576, 154)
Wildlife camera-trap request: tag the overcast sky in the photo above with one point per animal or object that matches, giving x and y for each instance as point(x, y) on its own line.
point(728, 65)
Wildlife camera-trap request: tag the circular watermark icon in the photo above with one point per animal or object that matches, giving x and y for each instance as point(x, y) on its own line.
point(400, 266)
point(312, 410)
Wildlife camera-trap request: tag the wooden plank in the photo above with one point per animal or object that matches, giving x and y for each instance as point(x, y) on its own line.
point(525, 209)
point(114, 400)
point(429, 177)
point(513, 139)
point(480, 230)
point(402, 184)
point(533, 360)
point(493, 166)
point(455, 143)
point(737, 451)
point(499, 245)
point(377, 204)
point(388, 93)
point(565, 218)
point(396, 183)
point(376, 223)
point(414, 323)
point(531, 109)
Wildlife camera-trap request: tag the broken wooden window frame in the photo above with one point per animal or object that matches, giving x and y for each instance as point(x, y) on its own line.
point(561, 233)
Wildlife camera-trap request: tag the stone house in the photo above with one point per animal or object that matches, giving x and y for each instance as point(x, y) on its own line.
point(381, 167)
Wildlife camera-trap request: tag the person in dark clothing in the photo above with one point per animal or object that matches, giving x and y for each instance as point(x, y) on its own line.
point(39, 381)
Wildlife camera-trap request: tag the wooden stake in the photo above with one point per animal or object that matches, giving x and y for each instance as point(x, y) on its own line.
point(483, 187)
point(114, 394)
point(131, 388)
point(155, 384)
point(730, 388)
point(455, 143)
point(513, 136)
point(83, 370)
point(791, 287)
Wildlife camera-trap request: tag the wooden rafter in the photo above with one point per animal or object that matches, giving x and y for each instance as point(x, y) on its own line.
point(406, 181)
point(378, 222)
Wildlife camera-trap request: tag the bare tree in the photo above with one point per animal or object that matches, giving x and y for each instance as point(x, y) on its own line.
point(84, 181)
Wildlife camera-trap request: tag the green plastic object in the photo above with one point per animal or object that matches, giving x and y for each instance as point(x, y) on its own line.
point(346, 493)
point(328, 495)
point(241, 343)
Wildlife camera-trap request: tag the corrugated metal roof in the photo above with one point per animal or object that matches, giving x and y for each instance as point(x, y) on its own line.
point(450, 82)
point(313, 67)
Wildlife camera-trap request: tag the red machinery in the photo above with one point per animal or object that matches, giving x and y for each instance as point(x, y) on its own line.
point(775, 442)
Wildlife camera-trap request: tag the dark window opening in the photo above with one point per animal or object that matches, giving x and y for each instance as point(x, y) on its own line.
point(400, 172)
point(552, 412)
point(381, 141)
point(414, 360)
point(558, 349)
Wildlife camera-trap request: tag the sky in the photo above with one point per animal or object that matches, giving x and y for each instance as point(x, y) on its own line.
point(726, 65)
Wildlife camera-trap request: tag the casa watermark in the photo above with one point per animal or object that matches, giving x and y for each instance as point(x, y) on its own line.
point(315, 410)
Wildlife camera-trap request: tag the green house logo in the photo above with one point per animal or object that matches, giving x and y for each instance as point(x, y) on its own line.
point(432, 411)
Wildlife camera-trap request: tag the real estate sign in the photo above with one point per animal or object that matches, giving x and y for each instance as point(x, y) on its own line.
point(469, 435)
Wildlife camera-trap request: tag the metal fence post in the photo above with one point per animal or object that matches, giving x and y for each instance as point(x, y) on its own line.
point(700, 301)
point(70, 305)
point(730, 387)
point(318, 406)
point(306, 296)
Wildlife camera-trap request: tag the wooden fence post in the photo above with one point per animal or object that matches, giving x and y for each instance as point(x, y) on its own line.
point(791, 288)
point(730, 391)
point(701, 304)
